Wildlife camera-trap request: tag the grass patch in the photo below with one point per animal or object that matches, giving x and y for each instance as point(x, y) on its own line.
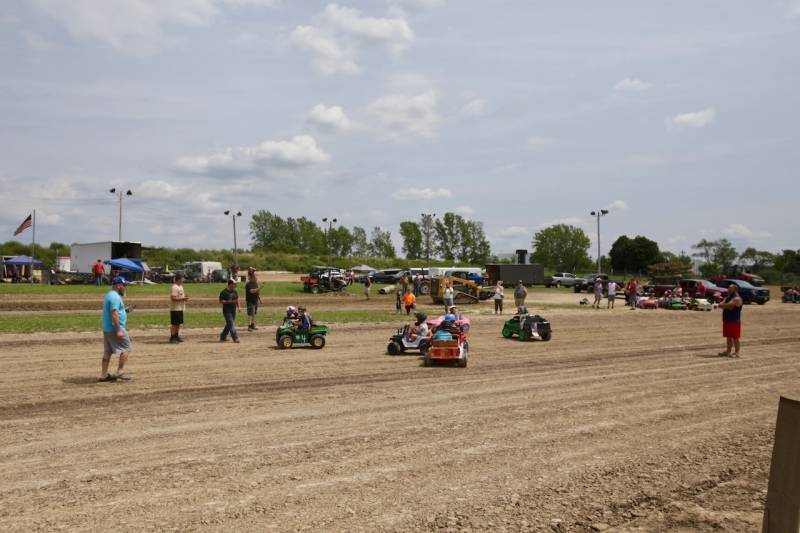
point(30, 323)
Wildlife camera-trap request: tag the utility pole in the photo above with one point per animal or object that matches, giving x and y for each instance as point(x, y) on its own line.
point(427, 232)
point(597, 214)
point(119, 195)
point(235, 244)
point(330, 222)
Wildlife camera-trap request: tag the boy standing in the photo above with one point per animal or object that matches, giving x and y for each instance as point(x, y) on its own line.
point(177, 306)
point(229, 299)
point(252, 296)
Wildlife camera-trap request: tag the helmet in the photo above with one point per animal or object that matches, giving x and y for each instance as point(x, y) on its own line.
point(450, 317)
point(290, 309)
point(522, 310)
point(421, 316)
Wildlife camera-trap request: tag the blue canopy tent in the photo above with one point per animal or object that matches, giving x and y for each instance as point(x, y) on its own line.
point(24, 260)
point(126, 266)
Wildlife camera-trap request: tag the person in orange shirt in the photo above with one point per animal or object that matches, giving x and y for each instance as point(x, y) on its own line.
point(409, 300)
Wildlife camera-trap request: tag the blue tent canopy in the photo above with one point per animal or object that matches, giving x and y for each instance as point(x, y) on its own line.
point(24, 260)
point(124, 264)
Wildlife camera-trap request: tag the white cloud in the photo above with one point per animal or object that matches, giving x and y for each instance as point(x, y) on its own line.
point(330, 118)
point(794, 9)
point(258, 160)
point(330, 57)
point(632, 85)
point(618, 204)
point(539, 142)
point(401, 7)
point(508, 167)
point(394, 32)
point(741, 231)
point(403, 115)
point(421, 194)
point(570, 221)
point(464, 210)
point(697, 119)
point(158, 189)
point(339, 33)
point(475, 107)
point(134, 26)
point(513, 231)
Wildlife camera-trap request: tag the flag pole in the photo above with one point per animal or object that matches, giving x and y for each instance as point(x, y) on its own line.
point(33, 244)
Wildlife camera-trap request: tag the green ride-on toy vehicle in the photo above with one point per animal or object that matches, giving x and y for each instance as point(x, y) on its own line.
point(528, 327)
point(288, 336)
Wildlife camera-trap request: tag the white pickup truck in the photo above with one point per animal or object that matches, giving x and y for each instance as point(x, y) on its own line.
point(561, 279)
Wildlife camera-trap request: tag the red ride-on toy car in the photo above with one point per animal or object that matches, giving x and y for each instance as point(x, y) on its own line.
point(452, 348)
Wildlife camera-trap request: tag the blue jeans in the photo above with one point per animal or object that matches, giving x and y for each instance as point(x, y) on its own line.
point(230, 327)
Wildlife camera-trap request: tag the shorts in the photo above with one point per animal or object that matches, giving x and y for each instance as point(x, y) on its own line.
point(519, 302)
point(252, 309)
point(612, 296)
point(732, 330)
point(113, 344)
point(176, 318)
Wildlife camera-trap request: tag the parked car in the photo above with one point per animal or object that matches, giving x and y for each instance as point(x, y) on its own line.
point(559, 279)
point(748, 292)
point(736, 273)
point(702, 288)
point(386, 276)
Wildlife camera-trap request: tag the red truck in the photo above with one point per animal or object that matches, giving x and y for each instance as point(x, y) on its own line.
point(694, 288)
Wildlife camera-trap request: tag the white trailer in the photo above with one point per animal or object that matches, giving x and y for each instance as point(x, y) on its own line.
point(200, 270)
point(83, 256)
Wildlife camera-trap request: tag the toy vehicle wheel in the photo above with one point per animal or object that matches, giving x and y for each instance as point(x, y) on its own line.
point(507, 333)
point(423, 348)
point(427, 360)
point(317, 341)
point(425, 289)
point(547, 336)
point(285, 341)
point(315, 289)
point(462, 363)
point(393, 348)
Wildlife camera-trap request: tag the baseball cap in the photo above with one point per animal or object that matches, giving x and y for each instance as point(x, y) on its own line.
point(119, 280)
point(232, 280)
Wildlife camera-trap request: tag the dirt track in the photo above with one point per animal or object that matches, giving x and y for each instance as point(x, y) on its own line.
point(625, 419)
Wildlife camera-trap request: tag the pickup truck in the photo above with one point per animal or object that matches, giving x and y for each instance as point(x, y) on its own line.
point(691, 287)
point(748, 292)
point(587, 284)
point(561, 279)
point(749, 277)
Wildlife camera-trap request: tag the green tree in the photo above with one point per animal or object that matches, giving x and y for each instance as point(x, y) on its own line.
point(447, 236)
point(310, 237)
point(718, 256)
point(380, 243)
point(270, 232)
point(562, 247)
point(340, 241)
point(427, 229)
point(473, 247)
point(360, 242)
point(412, 239)
point(633, 255)
point(757, 260)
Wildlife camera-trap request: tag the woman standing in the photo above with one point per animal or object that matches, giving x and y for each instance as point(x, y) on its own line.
point(448, 296)
point(498, 298)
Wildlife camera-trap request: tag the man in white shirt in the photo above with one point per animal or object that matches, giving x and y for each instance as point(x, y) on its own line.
point(177, 306)
point(612, 294)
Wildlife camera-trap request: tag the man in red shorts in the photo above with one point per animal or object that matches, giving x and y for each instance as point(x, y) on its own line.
point(731, 321)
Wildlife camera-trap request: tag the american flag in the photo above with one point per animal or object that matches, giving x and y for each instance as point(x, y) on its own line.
point(25, 225)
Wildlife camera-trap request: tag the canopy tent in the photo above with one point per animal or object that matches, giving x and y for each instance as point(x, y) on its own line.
point(124, 264)
point(24, 260)
point(363, 268)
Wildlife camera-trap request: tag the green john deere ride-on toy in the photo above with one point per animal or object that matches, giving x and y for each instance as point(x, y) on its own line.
point(288, 336)
point(528, 328)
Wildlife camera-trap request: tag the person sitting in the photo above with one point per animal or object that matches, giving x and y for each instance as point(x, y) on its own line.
point(521, 311)
point(420, 327)
point(453, 311)
point(291, 312)
point(303, 322)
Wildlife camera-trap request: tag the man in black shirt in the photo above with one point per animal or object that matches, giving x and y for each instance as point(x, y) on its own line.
point(252, 295)
point(229, 299)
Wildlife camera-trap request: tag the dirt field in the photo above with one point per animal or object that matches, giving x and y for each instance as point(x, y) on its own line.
point(625, 421)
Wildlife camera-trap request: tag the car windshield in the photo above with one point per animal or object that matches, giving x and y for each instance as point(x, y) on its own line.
point(743, 284)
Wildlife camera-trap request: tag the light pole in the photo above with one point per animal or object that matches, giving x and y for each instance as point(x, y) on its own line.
point(330, 222)
point(427, 226)
point(119, 195)
point(235, 245)
point(598, 214)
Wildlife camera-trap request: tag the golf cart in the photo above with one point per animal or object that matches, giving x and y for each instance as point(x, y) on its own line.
point(288, 336)
point(528, 327)
point(401, 342)
point(325, 279)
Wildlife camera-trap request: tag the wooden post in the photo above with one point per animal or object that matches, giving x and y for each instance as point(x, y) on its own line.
point(782, 512)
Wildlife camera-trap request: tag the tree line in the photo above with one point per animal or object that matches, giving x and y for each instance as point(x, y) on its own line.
point(451, 237)
point(566, 247)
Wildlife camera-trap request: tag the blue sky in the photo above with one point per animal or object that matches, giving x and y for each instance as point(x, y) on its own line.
point(680, 117)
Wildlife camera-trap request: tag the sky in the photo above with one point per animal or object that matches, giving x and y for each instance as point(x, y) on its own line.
point(680, 118)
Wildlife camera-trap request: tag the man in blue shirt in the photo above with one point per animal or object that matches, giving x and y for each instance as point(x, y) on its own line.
point(115, 337)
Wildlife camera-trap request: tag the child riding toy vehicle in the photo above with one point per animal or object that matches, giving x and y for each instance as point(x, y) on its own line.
point(288, 335)
point(448, 344)
point(528, 327)
point(401, 341)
